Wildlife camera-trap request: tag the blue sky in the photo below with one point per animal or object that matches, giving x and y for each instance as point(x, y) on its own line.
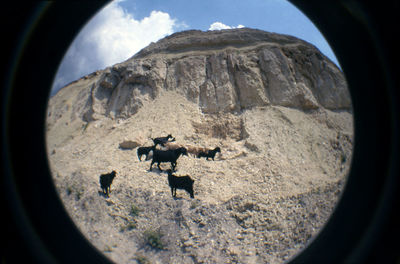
point(122, 28)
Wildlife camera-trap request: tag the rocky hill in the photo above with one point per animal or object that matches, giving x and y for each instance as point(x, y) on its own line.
point(279, 110)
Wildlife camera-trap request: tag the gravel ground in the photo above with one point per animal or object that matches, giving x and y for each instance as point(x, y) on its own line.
point(272, 188)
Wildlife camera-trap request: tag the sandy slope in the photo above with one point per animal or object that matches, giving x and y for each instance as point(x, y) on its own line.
point(271, 189)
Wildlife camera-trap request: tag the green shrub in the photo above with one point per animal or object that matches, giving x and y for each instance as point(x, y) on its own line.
point(134, 210)
point(129, 226)
point(75, 189)
point(107, 248)
point(194, 204)
point(69, 190)
point(79, 193)
point(141, 259)
point(153, 239)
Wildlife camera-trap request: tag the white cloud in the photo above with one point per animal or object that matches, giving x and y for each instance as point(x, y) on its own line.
point(219, 26)
point(112, 36)
point(119, 36)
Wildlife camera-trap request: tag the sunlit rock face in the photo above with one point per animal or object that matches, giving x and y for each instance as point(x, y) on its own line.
point(222, 71)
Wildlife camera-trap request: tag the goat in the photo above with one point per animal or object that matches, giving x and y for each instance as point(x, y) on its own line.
point(181, 182)
point(173, 145)
point(144, 151)
point(209, 153)
point(167, 156)
point(105, 182)
point(195, 150)
point(162, 140)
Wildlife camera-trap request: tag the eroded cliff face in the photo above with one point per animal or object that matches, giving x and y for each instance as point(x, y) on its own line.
point(221, 71)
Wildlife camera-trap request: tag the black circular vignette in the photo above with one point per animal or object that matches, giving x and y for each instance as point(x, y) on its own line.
point(364, 221)
point(38, 229)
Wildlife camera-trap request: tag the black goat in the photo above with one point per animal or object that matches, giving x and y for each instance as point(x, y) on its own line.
point(209, 154)
point(167, 156)
point(105, 182)
point(144, 151)
point(162, 140)
point(181, 182)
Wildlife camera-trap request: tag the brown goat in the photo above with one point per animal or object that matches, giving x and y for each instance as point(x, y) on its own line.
point(173, 145)
point(195, 150)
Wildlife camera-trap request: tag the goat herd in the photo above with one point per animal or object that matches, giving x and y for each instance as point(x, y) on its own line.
point(169, 152)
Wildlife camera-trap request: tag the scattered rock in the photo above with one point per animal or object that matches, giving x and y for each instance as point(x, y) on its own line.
point(128, 144)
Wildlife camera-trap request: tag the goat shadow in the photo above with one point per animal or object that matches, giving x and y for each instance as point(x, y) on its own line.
point(159, 172)
point(101, 193)
point(178, 198)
